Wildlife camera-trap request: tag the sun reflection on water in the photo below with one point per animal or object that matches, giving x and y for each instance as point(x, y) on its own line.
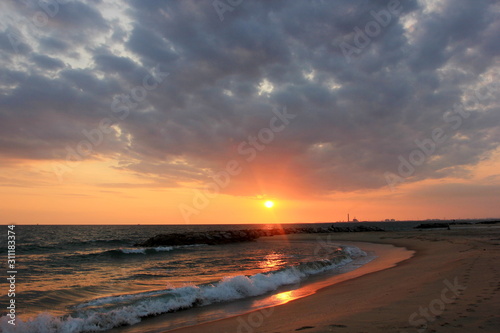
point(285, 296)
point(272, 261)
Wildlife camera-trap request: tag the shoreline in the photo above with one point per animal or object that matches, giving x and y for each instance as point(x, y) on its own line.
point(379, 256)
point(408, 297)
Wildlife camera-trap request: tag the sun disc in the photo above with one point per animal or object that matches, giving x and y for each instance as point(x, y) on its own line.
point(269, 204)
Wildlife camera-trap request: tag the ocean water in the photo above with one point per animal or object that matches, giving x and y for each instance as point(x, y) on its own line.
point(92, 278)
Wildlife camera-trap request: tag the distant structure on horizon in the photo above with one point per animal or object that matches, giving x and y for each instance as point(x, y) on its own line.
point(390, 220)
point(353, 220)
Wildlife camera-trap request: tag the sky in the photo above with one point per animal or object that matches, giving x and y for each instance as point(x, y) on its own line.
point(193, 112)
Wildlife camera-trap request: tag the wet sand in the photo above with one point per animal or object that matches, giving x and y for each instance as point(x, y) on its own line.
point(451, 284)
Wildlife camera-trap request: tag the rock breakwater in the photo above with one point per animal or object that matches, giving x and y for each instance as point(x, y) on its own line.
point(246, 235)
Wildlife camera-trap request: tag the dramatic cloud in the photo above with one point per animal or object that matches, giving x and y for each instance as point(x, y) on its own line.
point(184, 84)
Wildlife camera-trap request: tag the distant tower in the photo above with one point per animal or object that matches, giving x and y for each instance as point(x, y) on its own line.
point(347, 217)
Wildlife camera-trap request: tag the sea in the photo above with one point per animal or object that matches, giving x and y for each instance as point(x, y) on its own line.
point(91, 278)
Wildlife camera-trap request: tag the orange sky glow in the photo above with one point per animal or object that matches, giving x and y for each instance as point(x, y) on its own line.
point(33, 195)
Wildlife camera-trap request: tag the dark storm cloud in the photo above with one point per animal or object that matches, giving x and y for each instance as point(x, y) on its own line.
point(110, 63)
point(149, 45)
point(50, 44)
point(79, 15)
point(11, 43)
point(355, 115)
point(45, 62)
point(461, 25)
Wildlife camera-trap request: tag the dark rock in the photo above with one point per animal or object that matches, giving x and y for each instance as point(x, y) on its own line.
point(237, 236)
point(488, 222)
point(432, 225)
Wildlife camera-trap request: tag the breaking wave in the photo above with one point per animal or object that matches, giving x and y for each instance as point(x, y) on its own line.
point(108, 312)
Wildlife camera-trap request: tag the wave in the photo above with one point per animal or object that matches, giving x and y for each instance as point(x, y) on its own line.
point(32, 248)
point(109, 312)
point(148, 250)
point(145, 250)
point(126, 251)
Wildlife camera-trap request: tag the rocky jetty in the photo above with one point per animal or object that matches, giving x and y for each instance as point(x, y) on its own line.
point(489, 222)
point(432, 225)
point(236, 236)
point(211, 238)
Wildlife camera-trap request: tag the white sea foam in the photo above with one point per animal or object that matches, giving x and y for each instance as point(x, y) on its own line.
point(145, 250)
point(164, 248)
point(121, 310)
point(353, 252)
point(133, 251)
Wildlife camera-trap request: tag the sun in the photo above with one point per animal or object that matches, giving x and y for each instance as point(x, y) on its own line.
point(269, 204)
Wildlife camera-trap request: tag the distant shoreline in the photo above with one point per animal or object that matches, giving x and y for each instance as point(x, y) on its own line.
point(471, 221)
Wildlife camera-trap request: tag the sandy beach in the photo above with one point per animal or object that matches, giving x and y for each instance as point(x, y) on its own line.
point(451, 284)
